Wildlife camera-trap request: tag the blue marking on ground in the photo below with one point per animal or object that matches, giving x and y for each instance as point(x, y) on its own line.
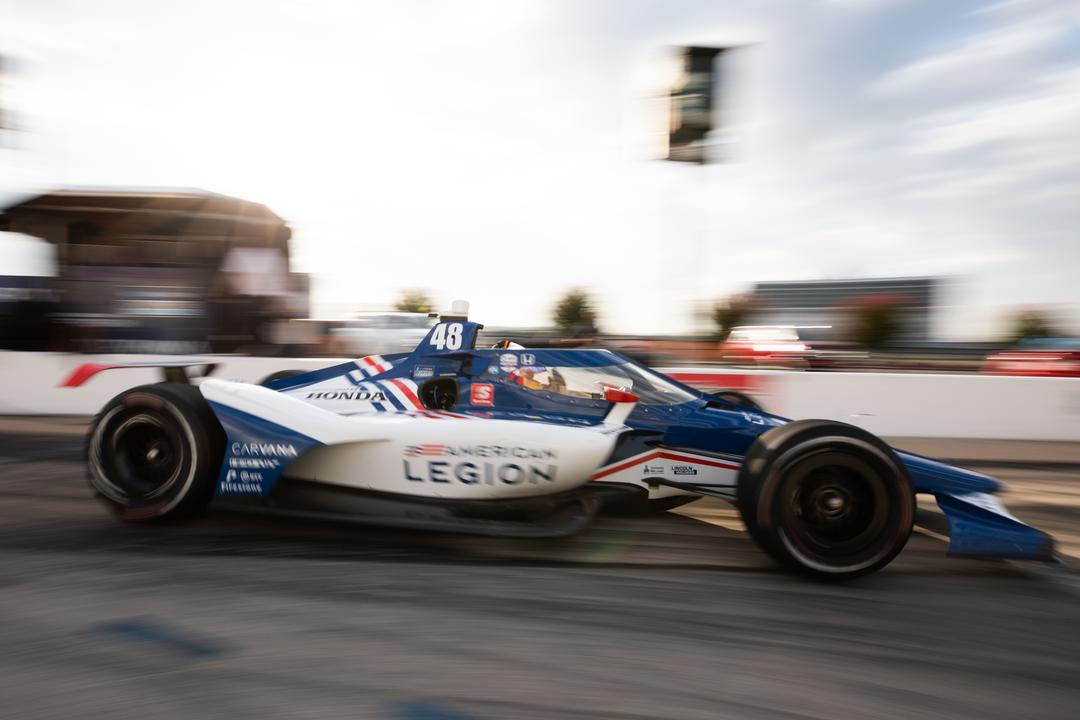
point(147, 630)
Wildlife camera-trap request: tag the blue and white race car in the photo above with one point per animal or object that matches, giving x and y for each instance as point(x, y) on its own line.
point(521, 442)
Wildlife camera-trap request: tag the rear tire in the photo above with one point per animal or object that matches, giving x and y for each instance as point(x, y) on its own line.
point(826, 498)
point(154, 453)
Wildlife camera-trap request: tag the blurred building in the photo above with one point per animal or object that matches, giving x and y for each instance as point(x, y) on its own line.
point(7, 85)
point(161, 270)
point(829, 302)
point(693, 102)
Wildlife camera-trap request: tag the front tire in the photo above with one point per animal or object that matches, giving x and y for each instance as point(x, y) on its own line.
point(826, 498)
point(154, 453)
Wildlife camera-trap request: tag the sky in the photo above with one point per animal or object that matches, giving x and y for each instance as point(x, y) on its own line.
point(506, 151)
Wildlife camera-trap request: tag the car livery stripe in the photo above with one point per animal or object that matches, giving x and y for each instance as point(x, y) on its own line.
point(661, 455)
point(393, 396)
point(624, 465)
point(379, 405)
point(373, 364)
point(447, 413)
point(355, 379)
point(396, 392)
point(408, 392)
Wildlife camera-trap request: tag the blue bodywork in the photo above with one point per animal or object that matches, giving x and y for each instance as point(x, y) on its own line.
point(683, 419)
point(257, 452)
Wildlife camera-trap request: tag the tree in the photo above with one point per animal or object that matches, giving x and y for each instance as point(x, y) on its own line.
point(574, 315)
point(1031, 324)
point(730, 313)
point(414, 301)
point(875, 320)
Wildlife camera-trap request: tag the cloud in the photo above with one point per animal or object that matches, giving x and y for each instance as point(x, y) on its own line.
point(502, 150)
point(991, 62)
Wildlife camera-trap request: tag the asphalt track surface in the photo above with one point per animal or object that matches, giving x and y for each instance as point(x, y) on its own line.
point(674, 617)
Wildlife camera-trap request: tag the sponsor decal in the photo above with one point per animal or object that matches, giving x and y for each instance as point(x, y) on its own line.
point(482, 394)
point(654, 469)
point(423, 371)
point(242, 482)
point(240, 449)
point(468, 472)
point(415, 450)
point(246, 462)
point(493, 369)
point(447, 336)
point(528, 359)
point(508, 362)
point(684, 469)
point(254, 463)
point(484, 451)
point(350, 394)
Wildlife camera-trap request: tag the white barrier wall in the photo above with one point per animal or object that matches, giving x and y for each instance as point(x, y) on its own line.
point(30, 381)
point(913, 405)
point(894, 405)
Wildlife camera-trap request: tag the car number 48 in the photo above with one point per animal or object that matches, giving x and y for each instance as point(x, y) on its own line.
point(447, 336)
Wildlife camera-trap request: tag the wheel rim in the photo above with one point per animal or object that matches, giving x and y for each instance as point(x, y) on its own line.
point(147, 456)
point(835, 511)
point(141, 455)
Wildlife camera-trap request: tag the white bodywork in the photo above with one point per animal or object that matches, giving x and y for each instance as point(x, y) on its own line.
point(361, 390)
point(425, 453)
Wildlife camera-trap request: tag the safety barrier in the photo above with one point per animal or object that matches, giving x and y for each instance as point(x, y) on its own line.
point(895, 405)
point(909, 404)
point(31, 381)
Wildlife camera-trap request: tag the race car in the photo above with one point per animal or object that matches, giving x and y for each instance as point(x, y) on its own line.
point(519, 442)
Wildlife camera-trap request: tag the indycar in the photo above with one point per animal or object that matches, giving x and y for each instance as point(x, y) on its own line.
point(525, 442)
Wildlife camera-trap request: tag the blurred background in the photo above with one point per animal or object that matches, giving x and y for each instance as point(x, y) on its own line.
point(809, 185)
point(858, 210)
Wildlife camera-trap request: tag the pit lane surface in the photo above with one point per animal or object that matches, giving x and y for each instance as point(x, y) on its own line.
point(674, 617)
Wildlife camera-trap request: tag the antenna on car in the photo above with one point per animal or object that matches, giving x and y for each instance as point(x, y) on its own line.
point(459, 310)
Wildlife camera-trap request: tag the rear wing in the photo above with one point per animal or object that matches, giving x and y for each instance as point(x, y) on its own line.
point(172, 370)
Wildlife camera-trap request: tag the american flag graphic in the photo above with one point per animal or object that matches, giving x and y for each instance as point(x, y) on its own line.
point(424, 450)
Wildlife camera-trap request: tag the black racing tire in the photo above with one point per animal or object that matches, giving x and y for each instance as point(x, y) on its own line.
point(154, 453)
point(737, 398)
point(826, 498)
point(280, 375)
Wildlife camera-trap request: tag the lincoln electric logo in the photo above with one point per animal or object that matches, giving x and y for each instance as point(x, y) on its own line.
point(457, 463)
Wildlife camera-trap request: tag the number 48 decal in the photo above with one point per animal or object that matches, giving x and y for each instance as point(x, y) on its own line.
point(447, 336)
